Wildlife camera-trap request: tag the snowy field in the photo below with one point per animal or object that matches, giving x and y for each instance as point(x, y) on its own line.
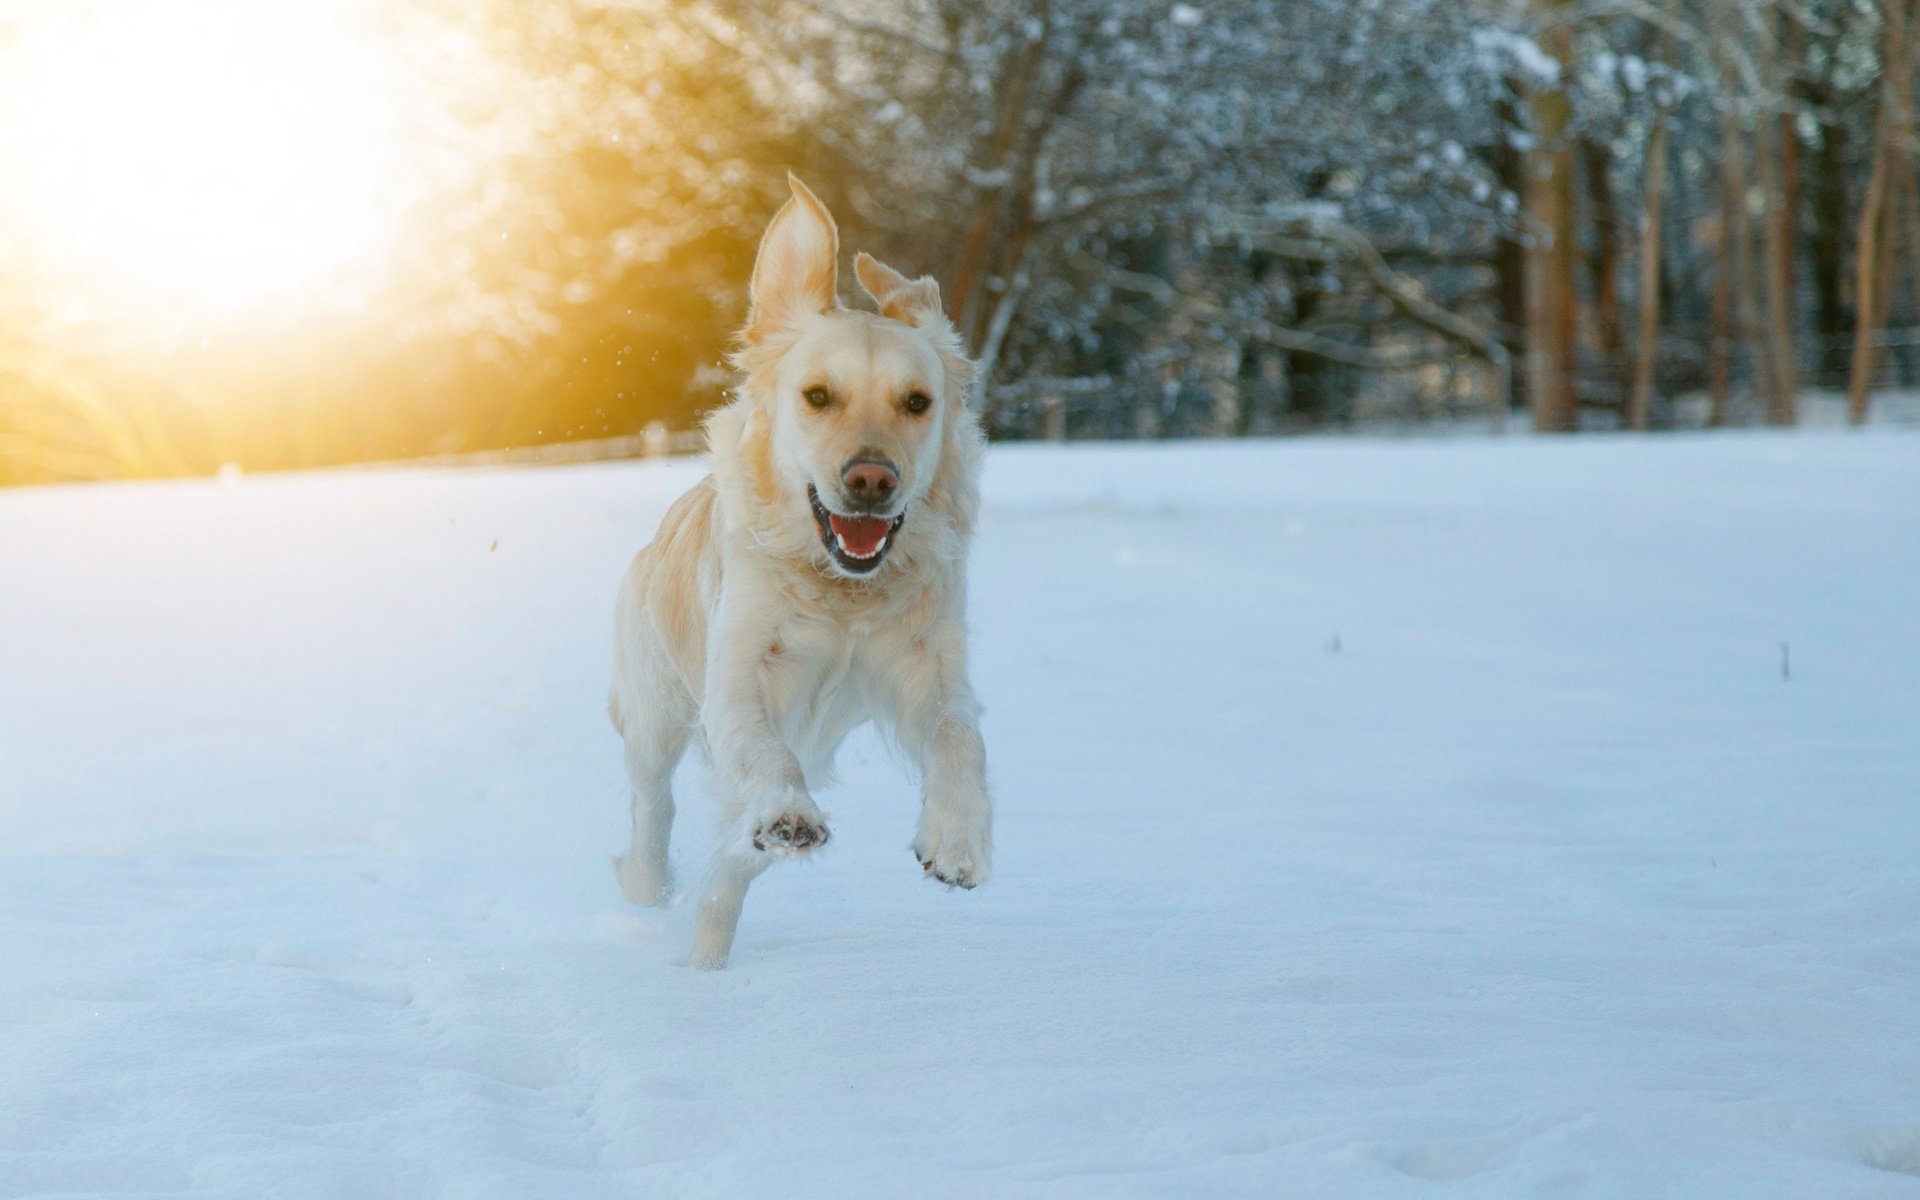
point(1377, 819)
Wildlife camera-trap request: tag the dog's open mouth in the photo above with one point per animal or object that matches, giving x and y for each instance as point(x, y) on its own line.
point(856, 544)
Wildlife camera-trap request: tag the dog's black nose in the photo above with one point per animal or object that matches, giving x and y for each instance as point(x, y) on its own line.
point(870, 482)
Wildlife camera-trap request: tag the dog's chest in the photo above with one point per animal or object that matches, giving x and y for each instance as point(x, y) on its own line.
point(835, 678)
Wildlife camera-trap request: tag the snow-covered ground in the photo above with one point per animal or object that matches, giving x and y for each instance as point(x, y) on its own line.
point(1376, 819)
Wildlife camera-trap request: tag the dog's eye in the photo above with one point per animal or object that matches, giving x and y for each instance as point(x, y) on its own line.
point(818, 397)
point(919, 402)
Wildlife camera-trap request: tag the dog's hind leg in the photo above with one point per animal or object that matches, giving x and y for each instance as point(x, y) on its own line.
point(655, 740)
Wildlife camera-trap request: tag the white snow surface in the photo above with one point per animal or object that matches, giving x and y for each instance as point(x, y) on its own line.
point(1375, 819)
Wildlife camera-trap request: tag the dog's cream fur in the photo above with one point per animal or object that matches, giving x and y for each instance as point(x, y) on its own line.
point(736, 625)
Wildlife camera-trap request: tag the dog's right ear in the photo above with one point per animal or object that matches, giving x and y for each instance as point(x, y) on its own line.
point(797, 272)
point(912, 301)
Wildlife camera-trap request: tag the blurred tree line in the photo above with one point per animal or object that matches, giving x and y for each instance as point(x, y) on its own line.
point(1226, 217)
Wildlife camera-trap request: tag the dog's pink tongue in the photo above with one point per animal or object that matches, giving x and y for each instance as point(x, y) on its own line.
point(860, 536)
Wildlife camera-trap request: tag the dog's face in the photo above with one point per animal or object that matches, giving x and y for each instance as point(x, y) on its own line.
point(857, 424)
point(857, 403)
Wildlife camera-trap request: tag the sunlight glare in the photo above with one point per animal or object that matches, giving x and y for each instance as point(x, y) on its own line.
point(210, 153)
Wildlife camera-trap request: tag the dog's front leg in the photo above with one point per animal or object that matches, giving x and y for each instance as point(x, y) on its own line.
point(955, 840)
point(760, 784)
point(938, 721)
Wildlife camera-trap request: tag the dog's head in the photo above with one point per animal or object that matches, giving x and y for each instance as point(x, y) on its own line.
point(857, 410)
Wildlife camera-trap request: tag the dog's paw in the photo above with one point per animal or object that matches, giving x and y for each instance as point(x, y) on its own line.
point(954, 852)
point(791, 832)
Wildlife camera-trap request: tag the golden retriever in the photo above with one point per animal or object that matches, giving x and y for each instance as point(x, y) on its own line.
point(816, 579)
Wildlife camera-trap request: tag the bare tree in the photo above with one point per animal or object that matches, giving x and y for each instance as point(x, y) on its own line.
point(1553, 318)
point(1770, 143)
point(1652, 218)
point(1892, 140)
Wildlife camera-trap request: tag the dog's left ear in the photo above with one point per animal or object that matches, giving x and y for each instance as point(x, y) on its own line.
point(797, 271)
point(913, 301)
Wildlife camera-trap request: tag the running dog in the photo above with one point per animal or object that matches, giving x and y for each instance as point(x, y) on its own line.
point(815, 580)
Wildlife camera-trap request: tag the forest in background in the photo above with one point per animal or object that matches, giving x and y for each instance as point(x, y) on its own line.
point(1228, 218)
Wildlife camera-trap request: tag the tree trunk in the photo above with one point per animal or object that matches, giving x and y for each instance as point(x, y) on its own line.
point(1552, 309)
point(1248, 380)
point(1652, 214)
point(1746, 288)
point(1911, 227)
point(1777, 241)
point(994, 155)
point(996, 337)
point(1866, 273)
point(1604, 263)
point(1720, 337)
point(1827, 247)
point(1887, 255)
point(1640, 401)
point(1893, 230)
point(1510, 254)
point(1870, 253)
point(1795, 88)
